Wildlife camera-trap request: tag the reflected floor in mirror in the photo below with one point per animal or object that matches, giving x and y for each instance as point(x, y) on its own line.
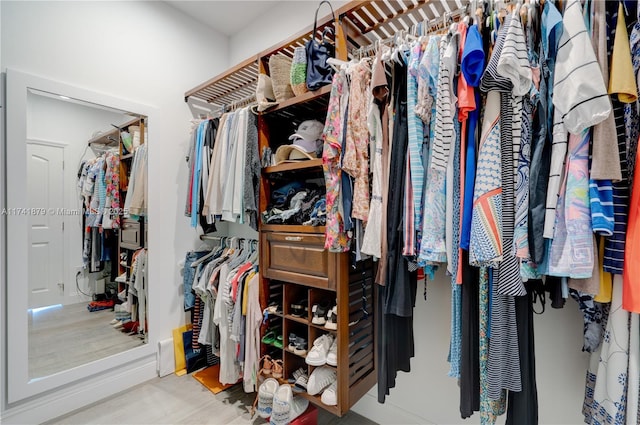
point(182, 400)
point(63, 337)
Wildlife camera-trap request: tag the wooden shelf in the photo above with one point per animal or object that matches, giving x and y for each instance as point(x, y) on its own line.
point(234, 84)
point(302, 356)
point(299, 100)
point(297, 319)
point(315, 399)
point(292, 228)
point(308, 164)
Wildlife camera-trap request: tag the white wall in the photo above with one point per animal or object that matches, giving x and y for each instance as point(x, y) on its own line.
point(279, 23)
point(427, 395)
point(71, 125)
point(146, 52)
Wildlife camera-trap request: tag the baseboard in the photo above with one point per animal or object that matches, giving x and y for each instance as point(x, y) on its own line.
point(387, 413)
point(80, 395)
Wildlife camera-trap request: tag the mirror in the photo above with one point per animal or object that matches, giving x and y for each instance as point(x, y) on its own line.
point(76, 212)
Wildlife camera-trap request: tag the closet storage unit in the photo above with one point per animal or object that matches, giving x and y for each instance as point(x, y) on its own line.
point(131, 232)
point(294, 266)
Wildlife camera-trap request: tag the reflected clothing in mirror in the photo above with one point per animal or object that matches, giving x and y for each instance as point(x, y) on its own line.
point(188, 276)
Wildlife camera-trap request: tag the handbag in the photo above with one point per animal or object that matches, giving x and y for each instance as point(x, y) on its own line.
point(319, 72)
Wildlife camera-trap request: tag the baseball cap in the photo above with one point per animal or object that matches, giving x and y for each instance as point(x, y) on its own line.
point(309, 131)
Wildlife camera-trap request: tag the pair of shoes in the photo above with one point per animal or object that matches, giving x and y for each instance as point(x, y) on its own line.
point(273, 336)
point(299, 308)
point(297, 344)
point(324, 351)
point(321, 379)
point(277, 401)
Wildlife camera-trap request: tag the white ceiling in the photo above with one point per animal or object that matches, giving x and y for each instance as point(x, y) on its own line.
point(226, 17)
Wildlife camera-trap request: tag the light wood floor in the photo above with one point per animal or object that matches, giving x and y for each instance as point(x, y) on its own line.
point(182, 400)
point(69, 336)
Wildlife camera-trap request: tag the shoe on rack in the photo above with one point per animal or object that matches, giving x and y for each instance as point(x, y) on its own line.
point(332, 319)
point(266, 365)
point(299, 308)
point(292, 341)
point(320, 379)
point(330, 395)
point(319, 313)
point(266, 393)
point(332, 355)
point(301, 346)
point(301, 383)
point(122, 278)
point(317, 356)
point(277, 368)
point(282, 402)
point(296, 374)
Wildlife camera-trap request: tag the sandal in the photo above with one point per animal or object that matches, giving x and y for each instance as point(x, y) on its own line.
point(277, 369)
point(269, 337)
point(266, 365)
point(278, 342)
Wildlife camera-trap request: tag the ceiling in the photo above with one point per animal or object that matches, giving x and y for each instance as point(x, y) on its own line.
point(226, 17)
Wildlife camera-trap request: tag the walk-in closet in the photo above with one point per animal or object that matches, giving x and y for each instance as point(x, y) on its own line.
point(320, 212)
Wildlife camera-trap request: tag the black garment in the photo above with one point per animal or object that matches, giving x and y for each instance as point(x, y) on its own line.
point(553, 285)
point(523, 405)
point(541, 136)
point(209, 141)
point(397, 298)
point(470, 358)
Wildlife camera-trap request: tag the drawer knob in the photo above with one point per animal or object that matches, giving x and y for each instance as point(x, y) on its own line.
point(293, 238)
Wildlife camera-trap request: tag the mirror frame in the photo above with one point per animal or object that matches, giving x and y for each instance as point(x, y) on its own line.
point(19, 386)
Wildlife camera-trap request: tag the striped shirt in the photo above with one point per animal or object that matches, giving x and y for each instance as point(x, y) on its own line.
point(584, 101)
point(445, 105)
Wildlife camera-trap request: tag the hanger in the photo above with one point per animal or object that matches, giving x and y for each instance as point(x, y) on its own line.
point(337, 64)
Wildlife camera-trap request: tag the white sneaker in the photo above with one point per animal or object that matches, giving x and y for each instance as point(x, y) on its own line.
point(317, 356)
point(320, 379)
point(330, 395)
point(122, 278)
point(332, 355)
point(282, 406)
point(298, 407)
point(332, 319)
point(266, 393)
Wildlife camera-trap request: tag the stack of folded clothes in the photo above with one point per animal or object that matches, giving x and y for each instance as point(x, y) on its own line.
point(297, 203)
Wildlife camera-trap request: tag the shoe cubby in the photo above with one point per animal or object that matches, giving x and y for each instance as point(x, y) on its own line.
point(292, 363)
point(274, 328)
point(296, 303)
point(301, 331)
point(321, 300)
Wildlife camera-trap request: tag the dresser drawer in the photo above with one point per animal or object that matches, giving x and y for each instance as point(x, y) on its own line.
point(298, 258)
point(130, 236)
